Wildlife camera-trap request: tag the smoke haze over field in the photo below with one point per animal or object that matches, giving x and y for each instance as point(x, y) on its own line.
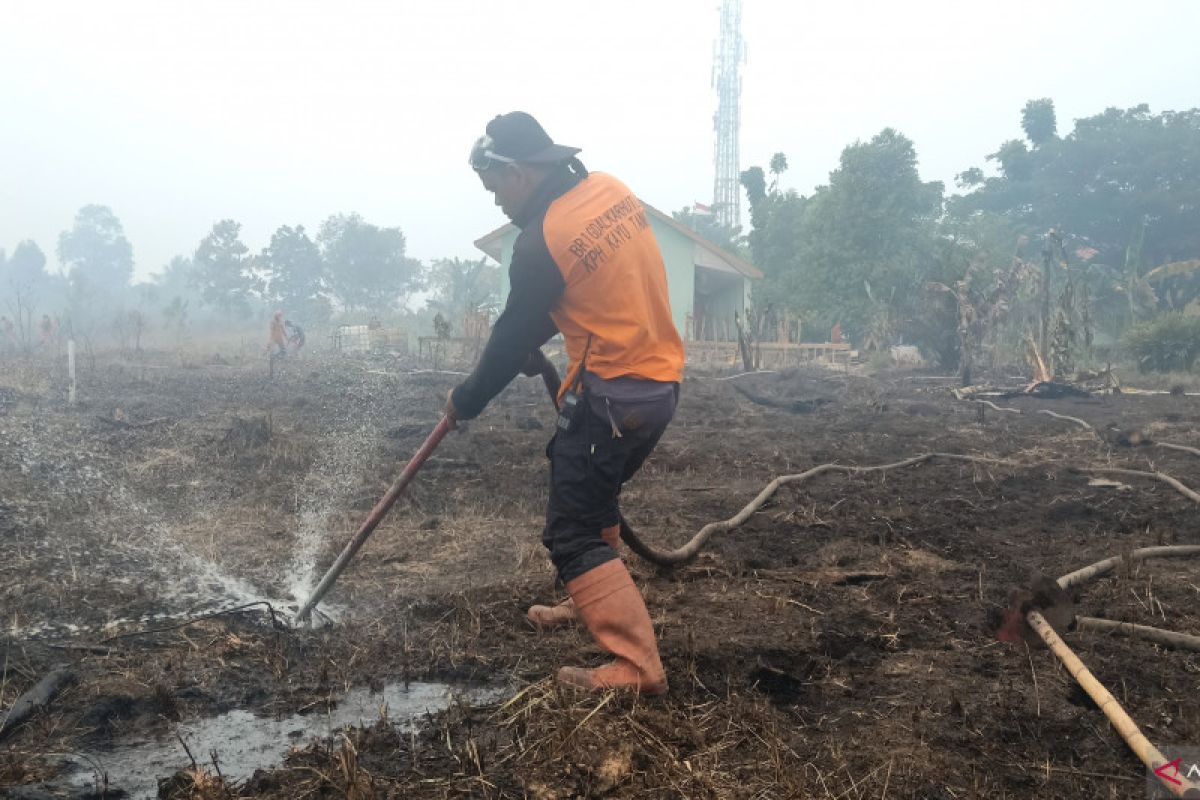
point(180, 115)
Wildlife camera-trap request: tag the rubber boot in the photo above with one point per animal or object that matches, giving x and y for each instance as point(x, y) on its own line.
point(612, 608)
point(552, 616)
point(564, 612)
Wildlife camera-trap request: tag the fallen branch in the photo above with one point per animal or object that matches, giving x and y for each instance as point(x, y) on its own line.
point(1130, 390)
point(684, 554)
point(1145, 632)
point(1053, 390)
point(741, 375)
point(1040, 373)
point(430, 372)
point(124, 425)
point(1082, 423)
point(1180, 447)
point(40, 695)
point(1162, 476)
point(1141, 554)
point(83, 648)
point(1076, 420)
point(995, 407)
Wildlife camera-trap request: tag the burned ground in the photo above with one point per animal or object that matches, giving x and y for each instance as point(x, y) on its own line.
point(835, 645)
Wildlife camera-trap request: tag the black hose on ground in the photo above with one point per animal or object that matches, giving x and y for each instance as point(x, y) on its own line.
point(40, 695)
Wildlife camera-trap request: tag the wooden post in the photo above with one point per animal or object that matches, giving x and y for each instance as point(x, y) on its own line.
point(71, 371)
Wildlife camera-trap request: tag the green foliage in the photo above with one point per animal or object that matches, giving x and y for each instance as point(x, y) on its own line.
point(880, 360)
point(859, 250)
point(1169, 343)
point(177, 278)
point(727, 237)
point(175, 317)
point(872, 226)
point(776, 218)
point(23, 280)
point(442, 327)
point(222, 270)
point(296, 275)
point(1038, 121)
point(1176, 285)
point(970, 177)
point(1113, 174)
point(754, 181)
point(367, 264)
point(25, 269)
point(461, 287)
point(778, 166)
point(96, 250)
point(1014, 159)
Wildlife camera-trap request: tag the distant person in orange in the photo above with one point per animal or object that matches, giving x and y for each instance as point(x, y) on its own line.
point(46, 328)
point(835, 335)
point(278, 338)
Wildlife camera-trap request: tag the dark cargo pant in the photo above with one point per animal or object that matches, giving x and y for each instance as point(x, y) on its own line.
point(588, 466)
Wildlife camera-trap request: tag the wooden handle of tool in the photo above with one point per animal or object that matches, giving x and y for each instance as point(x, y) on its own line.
point(1141, 554)
point(1183, 641)
point(1150, 755)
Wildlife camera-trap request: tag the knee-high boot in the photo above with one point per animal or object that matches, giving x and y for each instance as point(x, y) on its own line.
point(564, 612)
point(610, 605)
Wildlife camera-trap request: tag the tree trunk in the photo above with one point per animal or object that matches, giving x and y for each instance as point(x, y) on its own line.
point(743, 345)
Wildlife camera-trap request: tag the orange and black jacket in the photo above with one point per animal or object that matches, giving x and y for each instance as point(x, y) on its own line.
point(585, 264)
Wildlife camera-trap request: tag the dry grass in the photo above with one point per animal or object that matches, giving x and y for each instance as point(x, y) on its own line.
point(421, 555)
point(549, 743)
point(160, 459)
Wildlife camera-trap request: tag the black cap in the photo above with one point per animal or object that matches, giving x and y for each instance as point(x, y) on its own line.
point(519, 136)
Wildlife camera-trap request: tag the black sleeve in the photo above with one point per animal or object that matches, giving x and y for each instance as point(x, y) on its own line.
point(535, 284)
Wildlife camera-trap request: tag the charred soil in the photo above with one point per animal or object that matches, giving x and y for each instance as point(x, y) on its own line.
point(837, 644)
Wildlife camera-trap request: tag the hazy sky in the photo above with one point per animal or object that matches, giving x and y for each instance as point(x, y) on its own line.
point(178, 114)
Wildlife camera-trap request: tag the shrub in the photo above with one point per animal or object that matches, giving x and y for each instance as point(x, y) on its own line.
point(1169, 343)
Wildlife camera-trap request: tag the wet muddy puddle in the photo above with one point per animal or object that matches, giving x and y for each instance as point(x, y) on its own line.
point(244, 742)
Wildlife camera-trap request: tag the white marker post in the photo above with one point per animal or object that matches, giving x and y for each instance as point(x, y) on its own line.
point(71, 370)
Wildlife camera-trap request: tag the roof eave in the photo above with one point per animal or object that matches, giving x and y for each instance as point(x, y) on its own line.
point(492, 243)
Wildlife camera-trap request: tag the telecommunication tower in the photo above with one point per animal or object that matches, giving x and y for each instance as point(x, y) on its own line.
point(729, 53)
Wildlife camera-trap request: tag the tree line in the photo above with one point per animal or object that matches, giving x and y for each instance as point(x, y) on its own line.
point(1080, 236)
point(349, 269)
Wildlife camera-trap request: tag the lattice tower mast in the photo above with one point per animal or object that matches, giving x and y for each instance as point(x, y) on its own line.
point(729, 53)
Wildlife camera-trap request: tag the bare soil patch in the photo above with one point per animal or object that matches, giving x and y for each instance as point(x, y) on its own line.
point(835, 645)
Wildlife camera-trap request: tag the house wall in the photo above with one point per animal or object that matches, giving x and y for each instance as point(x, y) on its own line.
point(722, 304)
point(678, 255)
